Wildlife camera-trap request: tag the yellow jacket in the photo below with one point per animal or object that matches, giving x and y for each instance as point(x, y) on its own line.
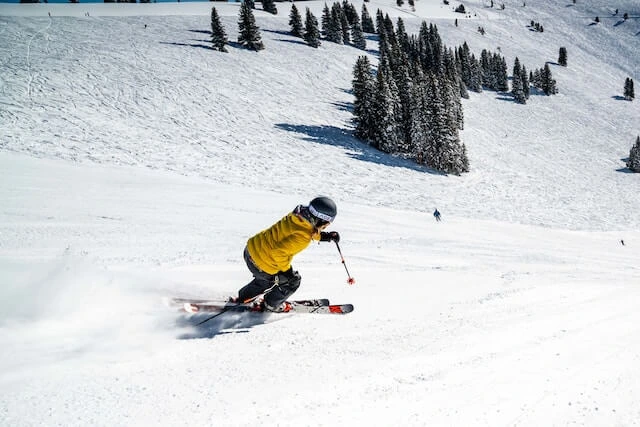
point(273, 249)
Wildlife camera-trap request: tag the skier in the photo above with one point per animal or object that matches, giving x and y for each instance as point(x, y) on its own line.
point(268, 254)
point(436, 214)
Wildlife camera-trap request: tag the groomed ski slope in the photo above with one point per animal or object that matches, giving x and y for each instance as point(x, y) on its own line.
point(135, 162)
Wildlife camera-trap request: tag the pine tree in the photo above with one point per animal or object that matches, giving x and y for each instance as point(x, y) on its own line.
point(386, 135)
point(326, 20)
point(388, 26)
point(344, 25)
point(402, 36)
point(629, 92)
point(269, 6)
point(562, 56)
point(363, 91)
point(379, 21)
point(548, 83)
point(525, 82)
point(633, 162)
point(516, 83)
point(476, 76)
point(420, 133)
point(501, 74)
point(311, 31)
point(334, 28)
point(295, 22)
point(367, 22)
point(445, 152)
point(218, 35)
point(357, 36)
point(248, 32)
point(349, 11)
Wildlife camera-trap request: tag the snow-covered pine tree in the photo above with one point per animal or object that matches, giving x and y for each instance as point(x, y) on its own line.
point(379, 21)
point(535, 78)
point(445, 152)
point(334, 29)
point(404, 83)
point(218, 35)
point(454, 104)
point(269, 6)
point(633, 162)
point(548, 82)
point(524, 76)
point(501, 74)
point(248, 32)
point(629, 92)
point(401, 35)
point(388, 27)
point(464, 63)
point(344, 25)
point(476, 75)
point(363, 85)
point(451, 72)
point(295, 22)
point(311, 31)
point(458, 162)
point(516, 83)
point(420, 134)
point(485, 66)
point(357, 36)
point(386, 134)
point(367, 22)
point(349, 11)
point(562, 56)
point(325, 20)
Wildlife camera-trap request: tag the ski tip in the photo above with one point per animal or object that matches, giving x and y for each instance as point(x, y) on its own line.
point(341, 309)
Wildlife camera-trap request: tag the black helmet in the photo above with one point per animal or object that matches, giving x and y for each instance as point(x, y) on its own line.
point(323, 209)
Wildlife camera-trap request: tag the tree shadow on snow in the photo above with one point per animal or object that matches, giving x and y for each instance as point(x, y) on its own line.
point(227, 323)
point(190, 45)
point(343, 106)
point(299, 41)
point(339, 137)
point(624, 170)
point(281, 32)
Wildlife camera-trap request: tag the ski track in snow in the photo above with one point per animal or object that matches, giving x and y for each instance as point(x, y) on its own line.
point(135, 162)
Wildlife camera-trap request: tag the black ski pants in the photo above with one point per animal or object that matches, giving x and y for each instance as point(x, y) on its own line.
point(280, 286)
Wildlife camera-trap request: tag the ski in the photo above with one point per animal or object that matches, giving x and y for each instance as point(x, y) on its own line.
point(319, 306)
point(222, 304)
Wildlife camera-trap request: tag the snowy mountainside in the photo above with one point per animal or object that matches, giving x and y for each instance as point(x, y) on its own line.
point(146, 91)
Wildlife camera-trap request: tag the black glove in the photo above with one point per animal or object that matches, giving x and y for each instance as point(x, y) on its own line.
point(329, 236)
point(289, 277)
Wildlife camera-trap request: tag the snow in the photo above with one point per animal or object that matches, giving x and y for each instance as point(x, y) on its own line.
point(135, 162)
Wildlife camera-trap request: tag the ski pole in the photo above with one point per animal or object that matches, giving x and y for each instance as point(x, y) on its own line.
point(228, 308)
point(350, 280)
point(236, 305)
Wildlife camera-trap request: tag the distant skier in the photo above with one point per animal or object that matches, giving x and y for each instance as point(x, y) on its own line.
point(436, 214)
point(622, 241)
point(268, 254)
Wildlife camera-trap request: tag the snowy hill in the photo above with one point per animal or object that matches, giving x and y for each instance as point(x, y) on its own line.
point(135, 162)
